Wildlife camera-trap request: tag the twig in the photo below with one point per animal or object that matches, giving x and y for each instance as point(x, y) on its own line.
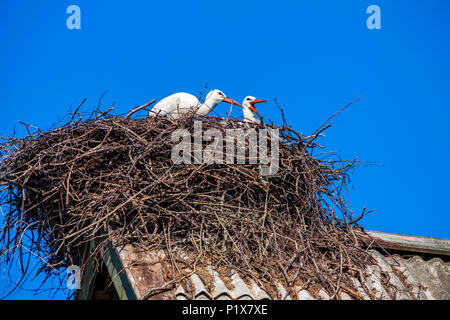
point(345, 107)
point(139, 108)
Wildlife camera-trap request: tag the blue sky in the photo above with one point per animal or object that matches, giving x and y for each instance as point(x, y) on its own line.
point(314, 57)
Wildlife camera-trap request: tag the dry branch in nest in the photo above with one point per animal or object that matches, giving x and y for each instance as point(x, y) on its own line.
point(114, 177)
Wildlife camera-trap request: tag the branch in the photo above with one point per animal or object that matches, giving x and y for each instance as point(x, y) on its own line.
point(336, 114)
point(139, 108)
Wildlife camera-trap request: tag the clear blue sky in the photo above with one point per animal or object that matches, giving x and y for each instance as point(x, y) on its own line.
point(313, 56)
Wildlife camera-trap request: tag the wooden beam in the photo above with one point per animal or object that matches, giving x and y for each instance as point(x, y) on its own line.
point(417, 244)
point(117, 273)
point(89, 274)
point(87, 281)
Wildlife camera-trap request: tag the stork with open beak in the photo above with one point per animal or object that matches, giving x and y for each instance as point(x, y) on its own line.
point(181, 103)
point(249, 109)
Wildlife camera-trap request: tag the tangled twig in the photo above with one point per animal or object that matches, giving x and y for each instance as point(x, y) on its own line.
point(114, 176)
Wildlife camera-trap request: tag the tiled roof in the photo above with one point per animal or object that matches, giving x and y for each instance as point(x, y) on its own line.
point(413, 277)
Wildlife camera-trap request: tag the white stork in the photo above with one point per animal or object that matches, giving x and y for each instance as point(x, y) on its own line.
point(181, 103)
point(249, 109)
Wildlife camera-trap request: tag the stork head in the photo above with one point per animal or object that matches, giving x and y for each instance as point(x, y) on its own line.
point(216, 96)
point(249, 103)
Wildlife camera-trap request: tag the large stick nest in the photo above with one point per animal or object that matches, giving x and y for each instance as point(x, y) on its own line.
point(113, 177)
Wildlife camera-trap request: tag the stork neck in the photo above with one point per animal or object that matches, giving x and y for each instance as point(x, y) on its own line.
point(248, 115)
point(209, 102)
point(206, 106)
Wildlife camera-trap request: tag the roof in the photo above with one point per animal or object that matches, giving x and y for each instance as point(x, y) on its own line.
point(418, 269)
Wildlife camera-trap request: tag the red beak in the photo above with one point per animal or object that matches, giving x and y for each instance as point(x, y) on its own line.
point(232, 101)
point(258, 101)
point(252, 104)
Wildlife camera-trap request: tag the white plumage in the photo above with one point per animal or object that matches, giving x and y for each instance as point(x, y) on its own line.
point(249, 109)
point(181, 103)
